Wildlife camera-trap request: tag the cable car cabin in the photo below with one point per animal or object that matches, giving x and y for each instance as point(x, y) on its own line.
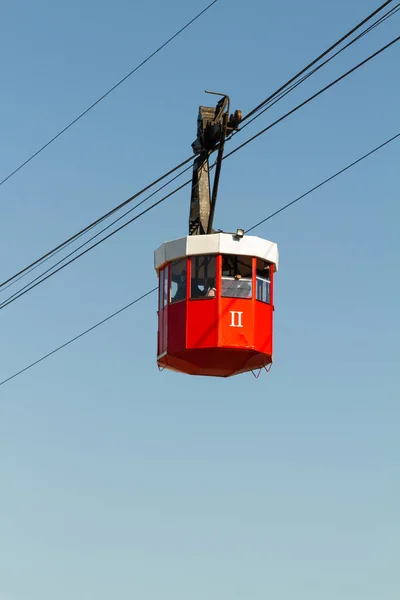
point(215, 304)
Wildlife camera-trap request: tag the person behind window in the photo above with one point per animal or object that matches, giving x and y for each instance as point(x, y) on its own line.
point(228, 269)
point(197, 290)
point(180, 293)
point(212, 292)
point(235, 288)
point(243, 288)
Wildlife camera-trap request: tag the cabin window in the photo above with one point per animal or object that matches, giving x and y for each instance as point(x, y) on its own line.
point(178, 280)
point(160, 289)
point(263, 281)
point(165, 293)
point(237, 281)
point(163, 288)
point(203, 270)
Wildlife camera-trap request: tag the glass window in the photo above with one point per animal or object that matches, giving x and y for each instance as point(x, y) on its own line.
point(237, 276)
point(163, 288)
point(160, 289)
point(165, 294)
point(178, 280)
point(263, 281)
point(203, 271)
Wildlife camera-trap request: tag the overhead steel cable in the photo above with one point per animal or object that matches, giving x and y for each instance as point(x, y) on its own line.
point(94, 223)
point(305, 102)
point(321, 91)
point(316, 60)
point(278, 95)
point(89, 240)
point(114, 87)
point(325, 181)
point(282, 94)
point(31, 287)
point(114, 314)
point(93, 237)
point(80, 335)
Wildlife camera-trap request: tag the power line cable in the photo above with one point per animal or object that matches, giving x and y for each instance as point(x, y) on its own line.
point(31, 287)
point(77, 337)
point(321, 91)
point(87, 241)
point(85, 112)
point(325, 181)
point(38, 263)
point(359, 65)
point(94, 223)
point(278, 96)
point(312, 63)
point(316, 187)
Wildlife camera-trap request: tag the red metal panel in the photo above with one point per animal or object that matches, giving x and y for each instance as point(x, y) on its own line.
point(177, 327)
point(236, 322)
point(215, 362)
point(263, 327)
point(202, 323)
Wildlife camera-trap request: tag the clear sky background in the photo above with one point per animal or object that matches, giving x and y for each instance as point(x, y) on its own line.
point(118, 481)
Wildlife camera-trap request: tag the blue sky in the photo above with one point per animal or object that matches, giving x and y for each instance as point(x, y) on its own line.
point(118, 480)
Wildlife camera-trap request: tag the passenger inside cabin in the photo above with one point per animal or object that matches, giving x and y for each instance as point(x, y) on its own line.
point(180, 281)
point(235, 287)
point(198, 292)
point(203, 270)
point(180, 293)
point(234, 284)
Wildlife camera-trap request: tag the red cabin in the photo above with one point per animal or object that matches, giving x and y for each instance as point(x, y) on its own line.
point(215, 304)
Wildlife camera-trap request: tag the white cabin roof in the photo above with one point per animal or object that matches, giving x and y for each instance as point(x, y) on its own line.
point(216, 243)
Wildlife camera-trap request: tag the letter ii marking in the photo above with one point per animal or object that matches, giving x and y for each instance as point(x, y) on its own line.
point(236, 321)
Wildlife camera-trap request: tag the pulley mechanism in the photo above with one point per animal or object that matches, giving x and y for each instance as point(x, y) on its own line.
point(213, 125)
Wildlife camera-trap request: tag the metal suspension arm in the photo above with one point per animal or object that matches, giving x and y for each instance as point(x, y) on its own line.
point(217, 172)
point(213, 124)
